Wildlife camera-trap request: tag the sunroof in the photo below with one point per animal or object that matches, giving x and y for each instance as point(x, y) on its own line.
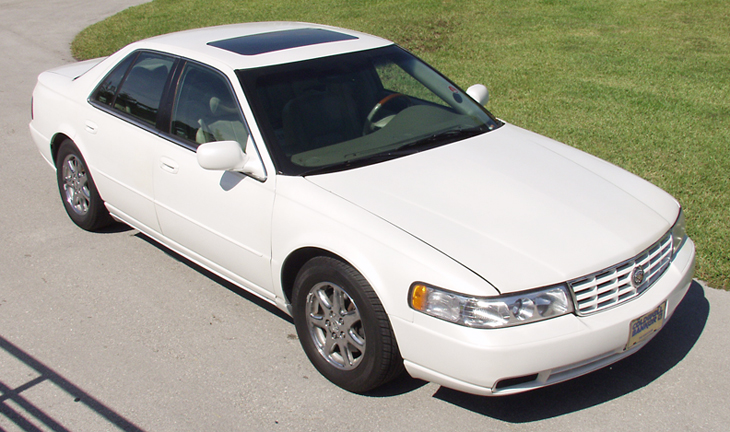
point(279, 40)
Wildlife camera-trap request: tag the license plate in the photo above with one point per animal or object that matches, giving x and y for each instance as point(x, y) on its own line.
point(643, 327)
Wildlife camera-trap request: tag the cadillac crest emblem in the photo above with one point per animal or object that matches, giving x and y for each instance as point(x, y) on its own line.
point(637, 276)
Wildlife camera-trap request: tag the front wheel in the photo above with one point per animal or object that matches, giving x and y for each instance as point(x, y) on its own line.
point(80, 198)
point(343, 327)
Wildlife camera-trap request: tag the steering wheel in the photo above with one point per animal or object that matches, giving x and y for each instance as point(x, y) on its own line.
point(369, 124)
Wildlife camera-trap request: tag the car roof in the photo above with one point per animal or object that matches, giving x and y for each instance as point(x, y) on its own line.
point(251, 45)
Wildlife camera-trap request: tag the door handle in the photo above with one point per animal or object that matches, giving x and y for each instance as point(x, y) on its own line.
point(169, 165)
point(90, 127)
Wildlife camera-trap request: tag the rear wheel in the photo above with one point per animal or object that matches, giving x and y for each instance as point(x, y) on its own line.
point(343, 327)
point(80, 198)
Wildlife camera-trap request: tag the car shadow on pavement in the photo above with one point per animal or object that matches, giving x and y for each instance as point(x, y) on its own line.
point(659, 356)
point(219, 280)
point(400, 385)
point(115, 228)
point(28, 414)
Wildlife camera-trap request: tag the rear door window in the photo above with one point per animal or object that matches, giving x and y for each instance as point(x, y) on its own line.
point(141, 91)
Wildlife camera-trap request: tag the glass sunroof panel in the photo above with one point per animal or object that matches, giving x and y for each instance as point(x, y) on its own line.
point(279, 40)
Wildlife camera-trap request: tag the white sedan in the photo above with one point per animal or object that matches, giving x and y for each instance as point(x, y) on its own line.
point(399, 223)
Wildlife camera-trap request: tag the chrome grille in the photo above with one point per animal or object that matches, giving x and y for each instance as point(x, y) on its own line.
point(614, 285)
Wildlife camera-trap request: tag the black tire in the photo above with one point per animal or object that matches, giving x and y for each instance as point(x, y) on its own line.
point(355, 348)
point(78, 192)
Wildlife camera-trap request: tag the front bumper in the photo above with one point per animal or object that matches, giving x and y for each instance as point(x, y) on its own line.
point(534, 355)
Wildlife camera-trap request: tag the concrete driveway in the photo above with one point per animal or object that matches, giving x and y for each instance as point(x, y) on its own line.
point(111, 332)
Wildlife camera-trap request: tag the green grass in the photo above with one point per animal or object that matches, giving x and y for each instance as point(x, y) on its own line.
point(643, 84)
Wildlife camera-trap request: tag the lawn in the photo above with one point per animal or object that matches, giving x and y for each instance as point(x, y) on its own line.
point(643, 84)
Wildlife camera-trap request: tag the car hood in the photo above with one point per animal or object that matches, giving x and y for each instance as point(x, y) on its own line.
point(518, 209)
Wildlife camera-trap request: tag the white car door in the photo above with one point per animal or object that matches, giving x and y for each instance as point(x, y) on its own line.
point(221, 219)
point(120, 134)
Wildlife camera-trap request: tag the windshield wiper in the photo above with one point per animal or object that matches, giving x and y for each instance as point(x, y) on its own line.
point(437, 139)
point(354, 163)
point(428, 142)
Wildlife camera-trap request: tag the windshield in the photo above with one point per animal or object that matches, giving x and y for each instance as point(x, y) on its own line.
point(355, 109)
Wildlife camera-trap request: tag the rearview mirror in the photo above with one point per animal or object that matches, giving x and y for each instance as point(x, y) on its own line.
point(228, 156)
point(479, 93)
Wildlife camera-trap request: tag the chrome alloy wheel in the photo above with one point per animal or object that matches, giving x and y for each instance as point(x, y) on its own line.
point(76, 185)
point(334, 323)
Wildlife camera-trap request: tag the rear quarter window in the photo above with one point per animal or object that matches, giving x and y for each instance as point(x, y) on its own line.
point(136, 85)
point(107, 90)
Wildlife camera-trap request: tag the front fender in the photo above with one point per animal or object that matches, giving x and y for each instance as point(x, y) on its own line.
point(307, 216)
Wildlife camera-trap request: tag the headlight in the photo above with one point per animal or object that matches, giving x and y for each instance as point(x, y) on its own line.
point(679, 233)
point(491, 312)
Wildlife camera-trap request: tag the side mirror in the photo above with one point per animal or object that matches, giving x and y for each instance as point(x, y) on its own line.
point(479, 93)
point(228, 156)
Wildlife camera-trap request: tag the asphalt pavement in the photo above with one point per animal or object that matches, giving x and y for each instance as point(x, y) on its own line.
point(112, 332)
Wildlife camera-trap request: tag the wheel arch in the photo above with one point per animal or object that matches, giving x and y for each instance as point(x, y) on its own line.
point(295, 261)
point(374, 273)
point(56, 145)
